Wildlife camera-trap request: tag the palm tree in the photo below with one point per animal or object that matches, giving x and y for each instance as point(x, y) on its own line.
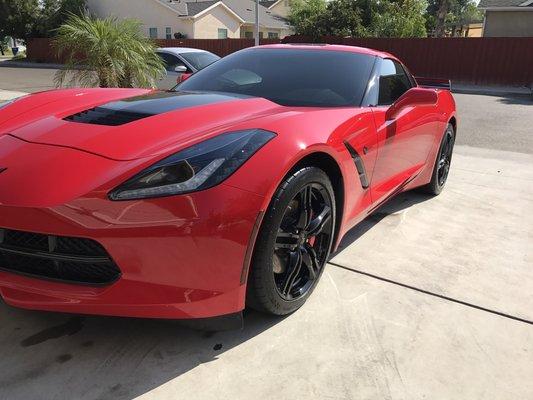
point(107, 53)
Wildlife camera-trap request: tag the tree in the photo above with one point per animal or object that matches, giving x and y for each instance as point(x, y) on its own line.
point(53, 13)
point(106, 53)
point(444, 13)
point(343, 18)
point(22, 19)
point(305, 17)
point(359, 18)
point(440, 18)
point(3, 44)
point(461, 14)
point(17, 17)
point(404, 18)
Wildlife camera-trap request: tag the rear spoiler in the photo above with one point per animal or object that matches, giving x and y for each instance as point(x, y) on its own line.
point(435, 83)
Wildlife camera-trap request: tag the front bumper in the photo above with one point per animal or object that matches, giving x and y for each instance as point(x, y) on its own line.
point(180, 257)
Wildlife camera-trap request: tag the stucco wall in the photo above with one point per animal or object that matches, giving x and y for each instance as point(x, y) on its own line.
point(282, 8)
point(508, 23)
point(281, 32)
point(264, 31)
point(475, 30)
point(152, 13)
point(206, 26)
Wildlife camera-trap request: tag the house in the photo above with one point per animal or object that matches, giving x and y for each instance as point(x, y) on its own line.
point(473, 29)
point(278, 7)
point(509, 18)
point(465, 29)
point(211, 19)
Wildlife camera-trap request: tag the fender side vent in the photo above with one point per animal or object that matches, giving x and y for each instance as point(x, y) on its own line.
point(359, 165)
point(106, 116)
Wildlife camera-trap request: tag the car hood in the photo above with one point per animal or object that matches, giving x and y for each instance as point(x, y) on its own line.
point(144, 125)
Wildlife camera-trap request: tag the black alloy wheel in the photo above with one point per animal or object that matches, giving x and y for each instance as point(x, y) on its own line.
point(442, 164)
point(303, 241)
point(445, 158)
point(293, 243)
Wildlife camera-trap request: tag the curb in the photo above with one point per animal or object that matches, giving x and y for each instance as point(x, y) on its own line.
point(6, 95)
point(492, 90)
point(24, 64)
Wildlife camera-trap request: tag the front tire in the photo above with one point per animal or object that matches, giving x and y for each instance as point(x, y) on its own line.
point(293, 243)
point(442, 163)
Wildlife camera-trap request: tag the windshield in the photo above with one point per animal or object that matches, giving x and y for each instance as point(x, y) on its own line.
point(200, 60)
point(289, 77)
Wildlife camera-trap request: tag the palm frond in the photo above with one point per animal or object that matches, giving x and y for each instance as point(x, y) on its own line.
point(106, 52)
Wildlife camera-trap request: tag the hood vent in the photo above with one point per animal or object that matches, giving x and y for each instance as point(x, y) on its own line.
point(134, 108)
point(105, 116)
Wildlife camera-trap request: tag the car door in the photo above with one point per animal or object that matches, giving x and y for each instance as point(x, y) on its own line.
point(403, 141)
point(171, 63)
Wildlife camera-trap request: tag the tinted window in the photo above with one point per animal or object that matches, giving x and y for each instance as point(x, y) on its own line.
point(289, 77)
point(171, 62)
point(200, 60)
point(393, 82)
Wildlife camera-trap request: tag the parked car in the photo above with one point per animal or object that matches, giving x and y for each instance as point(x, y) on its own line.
point(183, 60)
point(230, 190)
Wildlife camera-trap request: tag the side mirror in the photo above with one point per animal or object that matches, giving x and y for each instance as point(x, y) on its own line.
point(413, 97)
point(183, 77)
point(180, 68)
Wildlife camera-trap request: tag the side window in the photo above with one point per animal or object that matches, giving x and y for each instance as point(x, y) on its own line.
point(393, 82)
point(222, 33)
point(171, 62)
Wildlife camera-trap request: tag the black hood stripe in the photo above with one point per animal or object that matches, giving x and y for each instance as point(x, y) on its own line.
point(132, 109)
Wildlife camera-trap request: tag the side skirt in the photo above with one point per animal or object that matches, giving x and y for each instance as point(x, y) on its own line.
point(396, 191)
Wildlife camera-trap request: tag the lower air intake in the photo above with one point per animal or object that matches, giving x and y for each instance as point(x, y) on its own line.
point(68, 259)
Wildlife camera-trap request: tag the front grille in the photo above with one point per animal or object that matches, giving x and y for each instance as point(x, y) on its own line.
point(69, 259)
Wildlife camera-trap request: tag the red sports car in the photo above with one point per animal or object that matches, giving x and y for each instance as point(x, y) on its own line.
point(230, 190)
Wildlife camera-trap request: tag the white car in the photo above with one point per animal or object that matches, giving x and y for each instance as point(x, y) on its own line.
point(183, 60)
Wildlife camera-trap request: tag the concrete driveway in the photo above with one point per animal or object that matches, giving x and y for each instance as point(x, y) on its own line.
point(429, 298)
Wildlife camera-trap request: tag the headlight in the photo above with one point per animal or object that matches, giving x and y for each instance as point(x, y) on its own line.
point(199, 167)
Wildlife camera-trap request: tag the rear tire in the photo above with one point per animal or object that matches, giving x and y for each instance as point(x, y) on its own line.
point(442, 164)
point(293, 243)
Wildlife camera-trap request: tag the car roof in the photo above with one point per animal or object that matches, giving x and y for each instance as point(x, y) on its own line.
point(181, 50)
point(329, 47)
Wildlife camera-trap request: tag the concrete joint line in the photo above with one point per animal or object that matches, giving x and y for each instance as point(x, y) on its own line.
point(440, 296)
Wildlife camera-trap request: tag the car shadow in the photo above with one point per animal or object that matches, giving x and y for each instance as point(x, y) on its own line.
point(524, 100)
point(87, 357)
point(396, 204)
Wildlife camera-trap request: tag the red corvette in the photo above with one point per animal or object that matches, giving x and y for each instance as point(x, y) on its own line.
point(230, 190)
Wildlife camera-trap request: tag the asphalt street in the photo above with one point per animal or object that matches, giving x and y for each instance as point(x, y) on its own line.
point(428, 298)
point(502, 122)
point(27, 79)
